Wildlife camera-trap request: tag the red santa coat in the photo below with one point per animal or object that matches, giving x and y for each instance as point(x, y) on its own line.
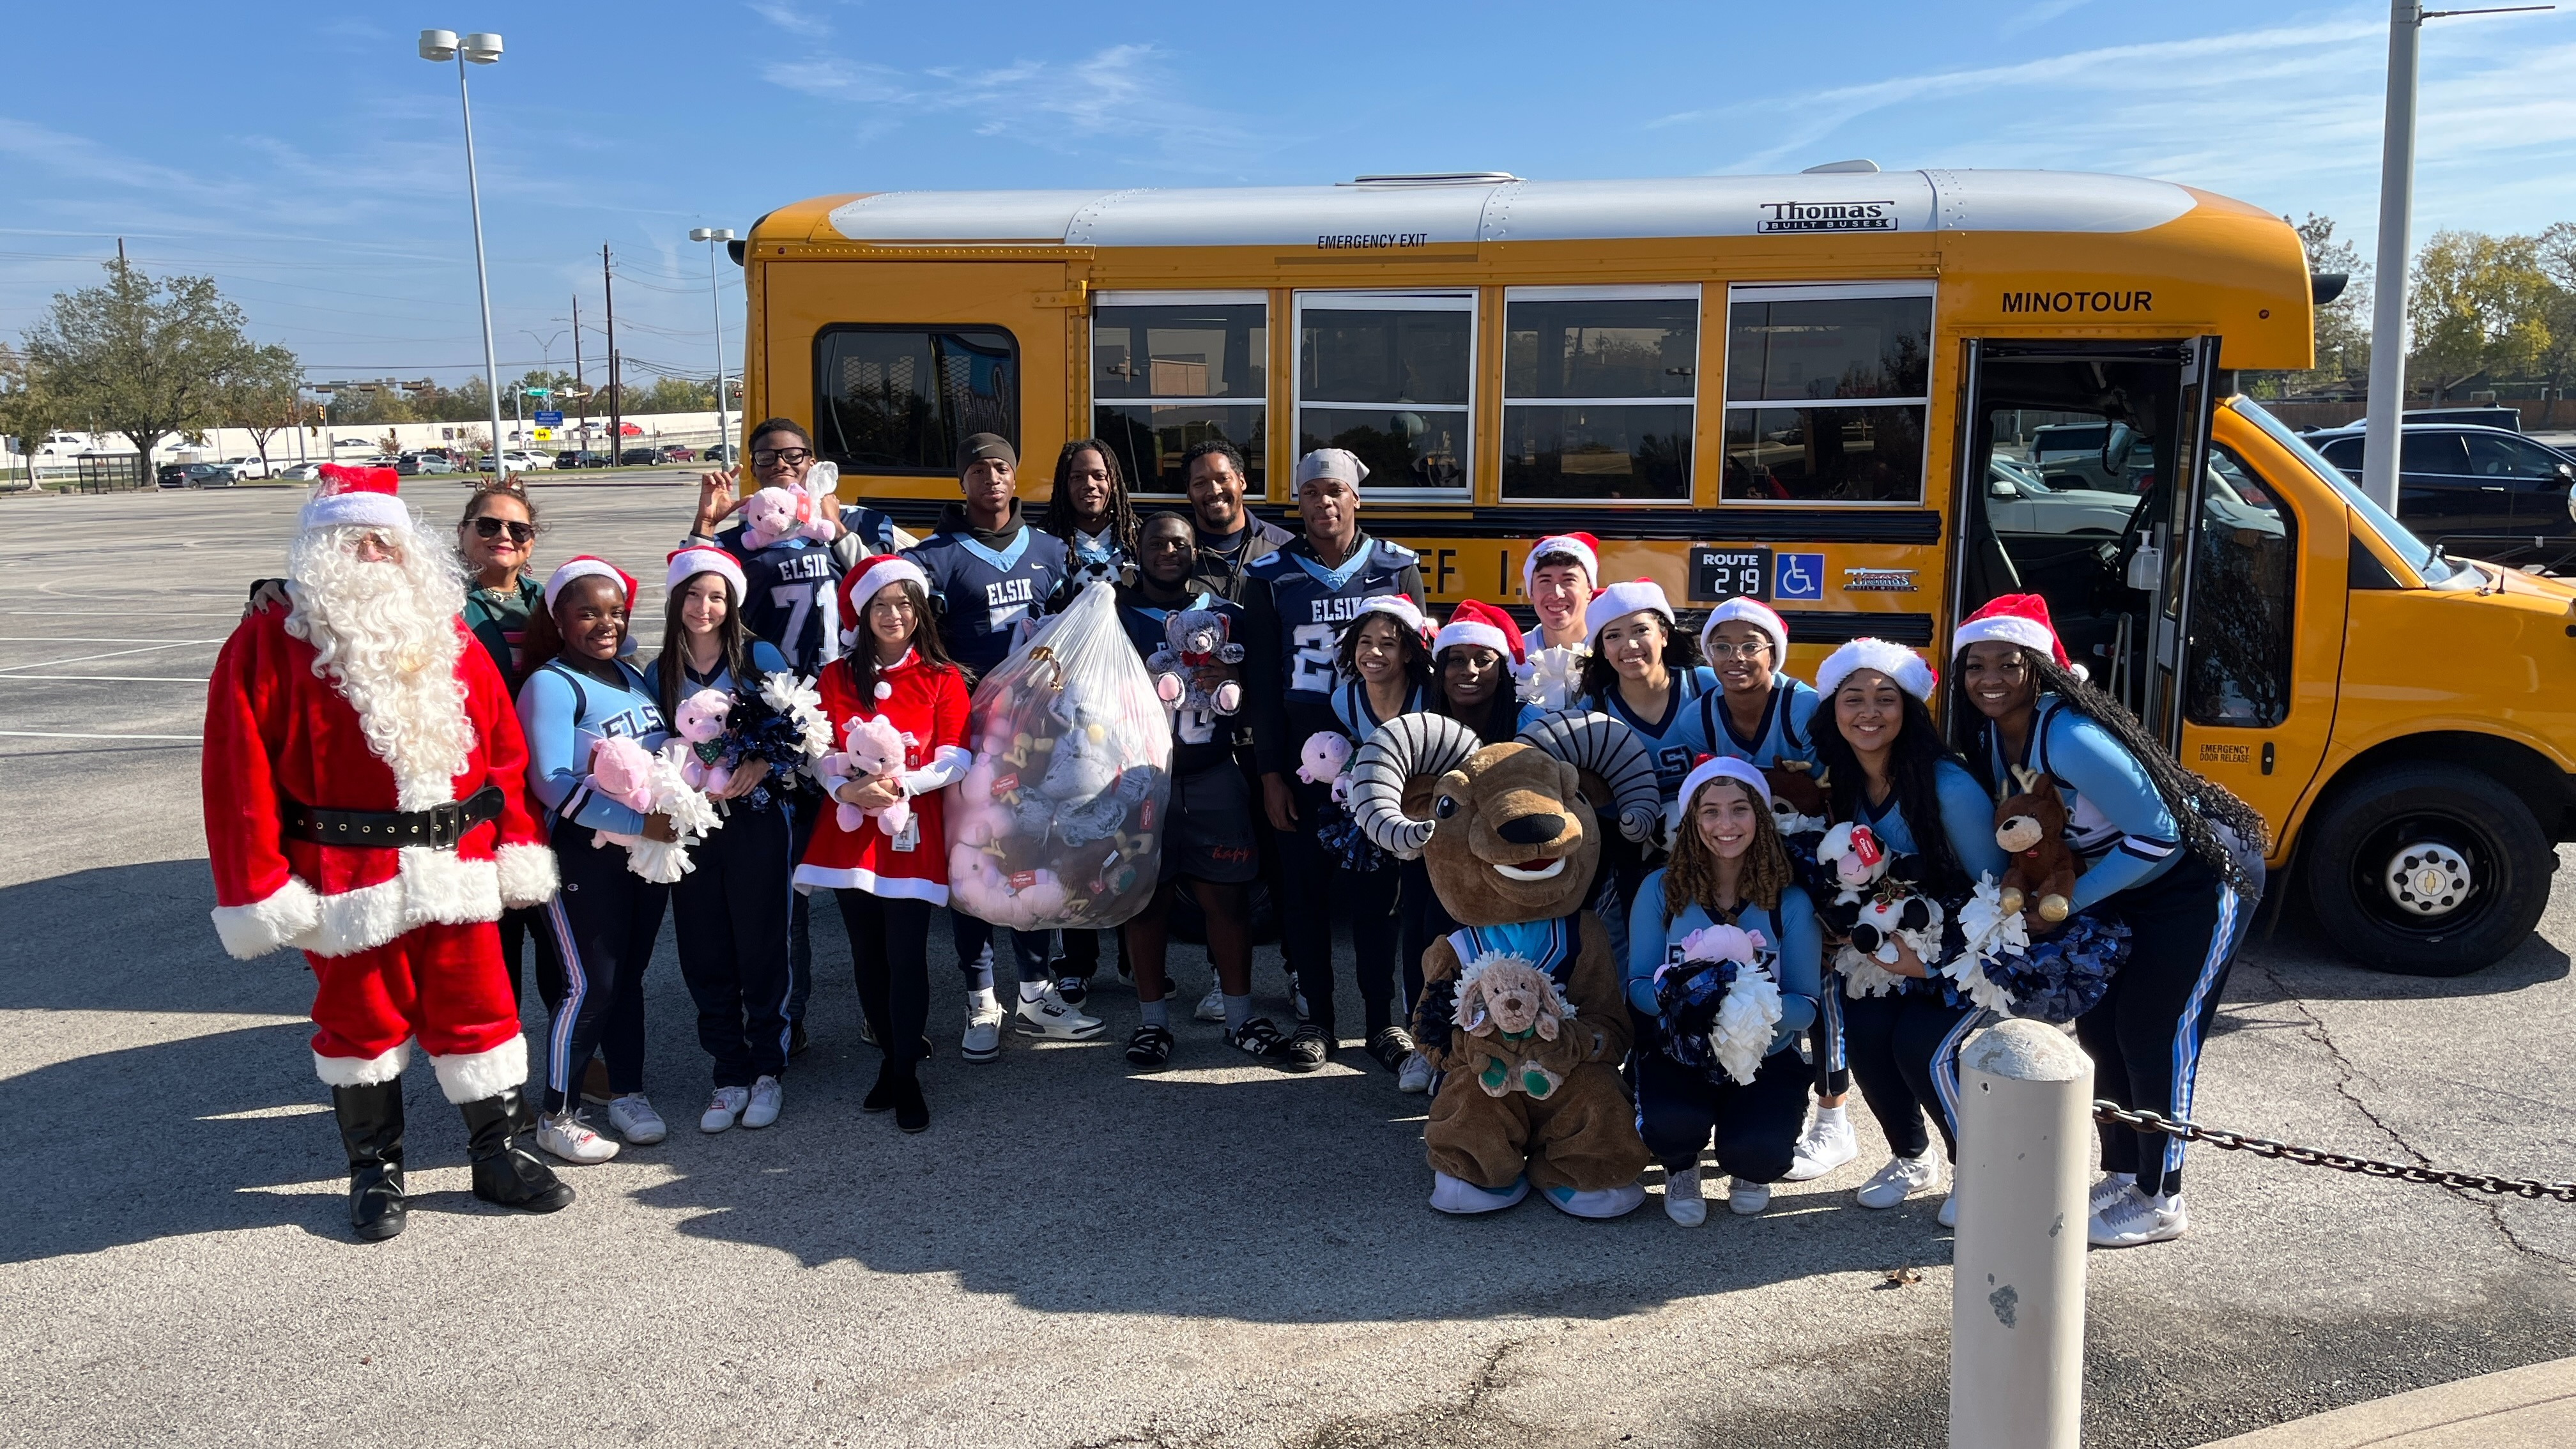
point(274, 731)
point(927, 702)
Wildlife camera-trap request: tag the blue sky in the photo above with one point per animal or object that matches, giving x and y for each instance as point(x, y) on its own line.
point(307, 159)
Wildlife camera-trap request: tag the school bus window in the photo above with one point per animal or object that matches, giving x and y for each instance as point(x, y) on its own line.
point(1389, 376)
point(2241, 601)
point(1170, 370)
point(1862, 352)
point(1598, 392)
point(890, 399)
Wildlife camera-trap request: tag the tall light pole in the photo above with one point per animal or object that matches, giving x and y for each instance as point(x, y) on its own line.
point(482, 48)
point(715, 301)
point(545, 351)
point(2386, 418)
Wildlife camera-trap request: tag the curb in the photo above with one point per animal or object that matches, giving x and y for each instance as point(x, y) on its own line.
point(2525, 1408)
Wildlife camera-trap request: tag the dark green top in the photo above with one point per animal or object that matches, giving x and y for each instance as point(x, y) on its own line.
point(499, 617)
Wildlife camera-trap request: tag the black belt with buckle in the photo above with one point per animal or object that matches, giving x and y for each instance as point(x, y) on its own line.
point(438, 827)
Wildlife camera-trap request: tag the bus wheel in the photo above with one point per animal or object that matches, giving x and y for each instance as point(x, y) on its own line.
point(2428, 869)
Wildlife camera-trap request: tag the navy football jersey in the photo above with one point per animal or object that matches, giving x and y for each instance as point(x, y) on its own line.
point(1310, 603)
point(1201, 738)
point(791, 598)
point(982, 592)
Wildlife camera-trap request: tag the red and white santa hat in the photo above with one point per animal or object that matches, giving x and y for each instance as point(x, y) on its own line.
point(354, 497)
point(2013, 619)
point(1895, 661)
point(1756, 613)
point(1400, 608)
point(861, 585)
point(1618, 601)
point(688, 563)
point(1723, 767)
point(1477, 622)
point(584, 566)
point(1585, 549)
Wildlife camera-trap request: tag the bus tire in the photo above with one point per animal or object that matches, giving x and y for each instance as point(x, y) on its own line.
point(2428, 869)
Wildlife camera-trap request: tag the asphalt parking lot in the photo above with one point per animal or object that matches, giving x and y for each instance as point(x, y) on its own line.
point(1076, 1253)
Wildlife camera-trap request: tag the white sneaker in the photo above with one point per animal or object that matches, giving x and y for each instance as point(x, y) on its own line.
point(1600, 1203)
point(636, 1121)
point(1414, 1075)
point(765, 1101)
point(1747, 1199)
point(983, 1039)
point(1827, 1145)
point(1051, 1018)
point(570, 1138)
point(1950, 1210)
point(1900, 1179)
point(724, 1108)
point(1682, 1201)
point(2134, 1218)
point(2108, 1190)
point(1459, 1196)
point(1212, 1005)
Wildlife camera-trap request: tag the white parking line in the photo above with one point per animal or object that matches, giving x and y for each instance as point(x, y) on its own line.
point(60, 735)
point(8, 669)
point(115, 678)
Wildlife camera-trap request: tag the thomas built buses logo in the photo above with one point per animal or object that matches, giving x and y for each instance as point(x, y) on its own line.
point(1828, 216)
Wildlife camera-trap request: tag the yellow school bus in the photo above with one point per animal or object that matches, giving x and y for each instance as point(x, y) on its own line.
point(1874, 399)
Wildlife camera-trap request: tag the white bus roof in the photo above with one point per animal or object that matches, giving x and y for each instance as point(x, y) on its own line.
point(1406, 214)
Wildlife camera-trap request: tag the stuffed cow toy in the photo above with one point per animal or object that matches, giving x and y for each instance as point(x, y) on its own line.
point(1511, 844)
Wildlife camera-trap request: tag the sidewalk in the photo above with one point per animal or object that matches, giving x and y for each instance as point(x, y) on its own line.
point(2533, 1407)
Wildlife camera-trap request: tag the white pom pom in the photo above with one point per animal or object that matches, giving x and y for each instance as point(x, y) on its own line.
point(884, 690)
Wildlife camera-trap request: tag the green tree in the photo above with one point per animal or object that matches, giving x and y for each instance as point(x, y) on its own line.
point(2342, 325)
point(26, 414)
point(2478, 306)
point(262, 393)
point(356, 405)
point(144, 357)
point(2555, 251)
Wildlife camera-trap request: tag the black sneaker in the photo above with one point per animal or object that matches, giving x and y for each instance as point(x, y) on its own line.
point(1307, 1049)
point(1151, 1046)
point(1390, 1046)
point(796, 1042)
point(1073, 989)
point(1258, 1039)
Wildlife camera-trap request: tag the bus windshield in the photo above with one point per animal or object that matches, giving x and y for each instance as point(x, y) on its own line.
point(2419, 555)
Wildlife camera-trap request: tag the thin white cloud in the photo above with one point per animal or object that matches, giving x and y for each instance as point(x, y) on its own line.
point(2036, 16)
point(790, 18)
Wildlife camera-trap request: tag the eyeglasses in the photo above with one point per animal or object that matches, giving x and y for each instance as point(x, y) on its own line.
point(493, 528)
point(1746, 652)
point(772, 457)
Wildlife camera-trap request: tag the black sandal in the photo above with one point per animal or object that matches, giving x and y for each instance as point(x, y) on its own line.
point(1391, 1046)
point(1151, 1046)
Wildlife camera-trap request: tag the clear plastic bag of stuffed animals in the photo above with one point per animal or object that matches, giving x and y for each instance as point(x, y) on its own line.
point(1059, 823)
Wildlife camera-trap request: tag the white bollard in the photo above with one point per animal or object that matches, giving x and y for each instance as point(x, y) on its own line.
point(2017, 1294)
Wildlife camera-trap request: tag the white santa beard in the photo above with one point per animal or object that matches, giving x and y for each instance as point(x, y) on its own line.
point(385, 636)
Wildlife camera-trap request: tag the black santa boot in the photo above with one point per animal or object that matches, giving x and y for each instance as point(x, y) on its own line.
point(371, 1128)
point(506, 1172)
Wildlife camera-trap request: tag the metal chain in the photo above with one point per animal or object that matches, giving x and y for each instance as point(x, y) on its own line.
point(2113, 1114)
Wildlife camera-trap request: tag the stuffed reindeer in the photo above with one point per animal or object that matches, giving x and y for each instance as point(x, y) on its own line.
point(2031, 827)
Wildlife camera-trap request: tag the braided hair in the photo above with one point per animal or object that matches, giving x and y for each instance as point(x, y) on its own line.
point(1913, 768)
point(1059, 518)
point(2193, 799)
point(1691, 877)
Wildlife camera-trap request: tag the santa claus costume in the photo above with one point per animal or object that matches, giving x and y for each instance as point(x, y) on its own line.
point(365, 803)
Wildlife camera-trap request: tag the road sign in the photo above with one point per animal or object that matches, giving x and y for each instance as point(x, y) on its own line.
point(548, 418)
point(545, 435)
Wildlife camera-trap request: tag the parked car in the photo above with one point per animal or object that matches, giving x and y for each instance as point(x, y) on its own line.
point(300, 472)
point(580, 458)
point(519, 460)
point(249, 465)
point(171, 475)
point(2069, 455)
point(411, 464)
point(203, 475)
point(679, 453)
point(724, 453)
point(639, 457)
point(2488, 493)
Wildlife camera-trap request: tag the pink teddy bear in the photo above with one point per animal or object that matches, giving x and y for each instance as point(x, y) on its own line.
point(622, 770)
point(875, 750)
point(701, 727)
point(1324, 757)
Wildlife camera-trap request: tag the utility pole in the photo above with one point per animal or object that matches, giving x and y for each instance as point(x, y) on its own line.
point(616, 399)
point(578, 386)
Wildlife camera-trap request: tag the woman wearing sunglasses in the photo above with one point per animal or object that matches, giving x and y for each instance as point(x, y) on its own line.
point(496, 539)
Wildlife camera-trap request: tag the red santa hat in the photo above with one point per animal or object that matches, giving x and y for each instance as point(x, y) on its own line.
point(688, 563)
point(1400, 608)
point(1585, 549)
point(860, 586)
point(585, 566)
point(1479, 623)
point(1893, 660)
point(360, 497)
point(1724, 767)
point(2014, 619)
point(1618, 601)
point(1756, 613)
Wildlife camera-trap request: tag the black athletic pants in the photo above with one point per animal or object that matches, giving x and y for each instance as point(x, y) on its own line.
point(1310, 880)
point(809, 806)
point(600, 930)
point(1905, 1051)
point(1755, 1123)
point(2145, 1035)
point(1081, 954)
point(731, 917)
point(890, 959)
point(1031, 951)
point(520, 925)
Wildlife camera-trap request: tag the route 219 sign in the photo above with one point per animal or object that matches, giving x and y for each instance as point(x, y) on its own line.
point(1718, 574)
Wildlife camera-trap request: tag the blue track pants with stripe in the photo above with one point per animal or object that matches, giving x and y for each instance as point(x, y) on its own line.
point(2145, 1036)
point(600, 930)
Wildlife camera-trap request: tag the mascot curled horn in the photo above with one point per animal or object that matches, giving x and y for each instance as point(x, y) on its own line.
point(1511, 845)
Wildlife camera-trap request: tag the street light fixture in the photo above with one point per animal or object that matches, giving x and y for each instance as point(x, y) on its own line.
point(715, 301)
point(482, 48)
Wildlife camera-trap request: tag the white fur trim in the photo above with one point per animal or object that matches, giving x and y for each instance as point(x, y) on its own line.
point(362, 1071)
point(1893, 660)
point(263, 926)
point(1740, 610)
point(688, 563)
point(1723, 767)
point(583, 568)
point(881, 571)
point(355, 509)
point(480, 1076)
point(1559, 543)
point(528, 875)
point(1399, 608)
point(428, 885)
point(1471, 631)
point(1617, 601)
point(2011, 629)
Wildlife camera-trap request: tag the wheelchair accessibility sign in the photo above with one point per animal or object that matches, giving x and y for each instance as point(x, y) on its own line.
point(1799, 577)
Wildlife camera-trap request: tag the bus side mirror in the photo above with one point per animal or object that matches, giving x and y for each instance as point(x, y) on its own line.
point(2117, 440)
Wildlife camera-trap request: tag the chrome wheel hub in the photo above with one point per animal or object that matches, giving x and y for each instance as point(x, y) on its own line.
point(2428, 880)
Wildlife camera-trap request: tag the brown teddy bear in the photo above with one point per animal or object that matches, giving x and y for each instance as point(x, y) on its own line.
point(1511, 846)
point(2031, 827)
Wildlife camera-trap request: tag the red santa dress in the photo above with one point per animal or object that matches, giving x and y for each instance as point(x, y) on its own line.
point(400, 938)
point(927, 702)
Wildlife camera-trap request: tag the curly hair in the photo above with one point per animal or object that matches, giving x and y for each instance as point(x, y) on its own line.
point(2193, 799)
point(1691, 877)
point(1417, 657)
point(1913, 768)
point(1681, 655)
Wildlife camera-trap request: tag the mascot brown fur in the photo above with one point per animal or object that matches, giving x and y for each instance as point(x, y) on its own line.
point(1511, 846)
point(2031, 827)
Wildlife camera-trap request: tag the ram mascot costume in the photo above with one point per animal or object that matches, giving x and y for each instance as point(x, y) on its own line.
point(1512, 846)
